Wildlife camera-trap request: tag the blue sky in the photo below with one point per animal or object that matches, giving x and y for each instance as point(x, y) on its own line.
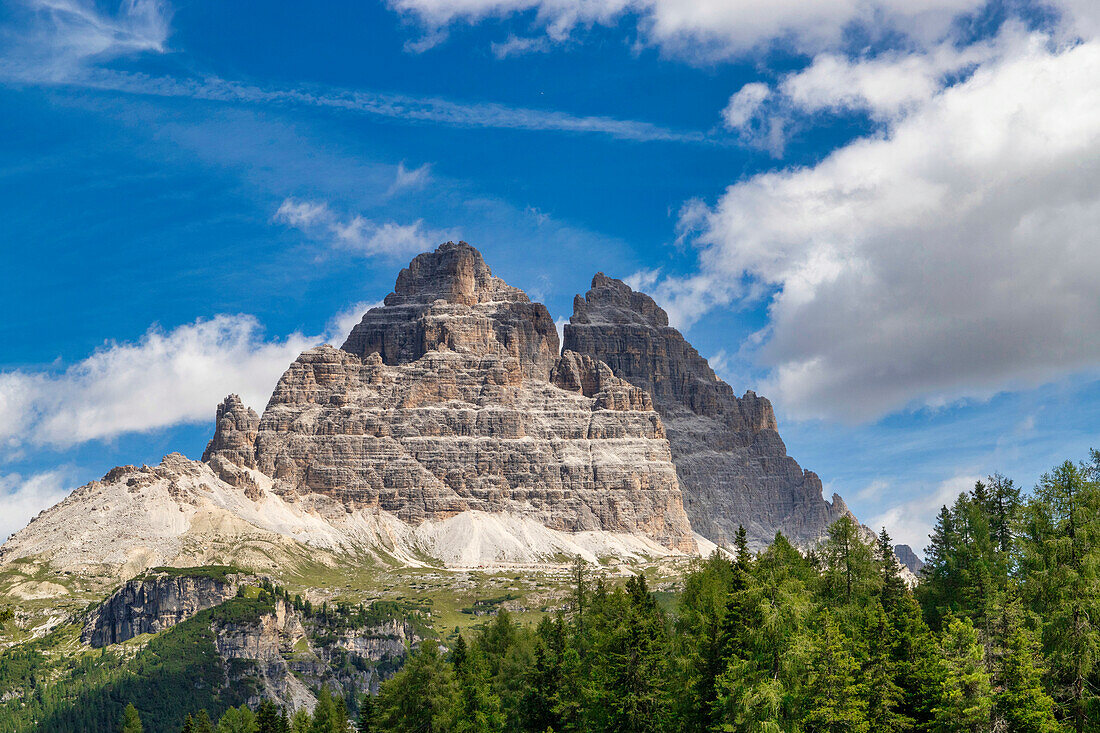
point(882, 215)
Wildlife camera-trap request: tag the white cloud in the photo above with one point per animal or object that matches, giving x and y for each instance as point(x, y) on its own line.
point(910, 522)
point(340, 325)
point(710, 29)
point(63, 35)
point(21, 499)
point(518, 45)
point(406, 179)
point(166, 378)
point(744, 104)
point(951, 256)
point(359, 234)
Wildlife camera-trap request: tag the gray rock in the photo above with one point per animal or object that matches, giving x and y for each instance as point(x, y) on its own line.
point(451, 397)
point(732, 465)
point(908, 558)
point(153, 603)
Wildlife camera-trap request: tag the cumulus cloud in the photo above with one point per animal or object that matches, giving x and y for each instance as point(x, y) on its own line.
point(951, 256)
point(357, 233)
point(23, 498)
point(340, 325)
point(165, 378)
point(910, 522)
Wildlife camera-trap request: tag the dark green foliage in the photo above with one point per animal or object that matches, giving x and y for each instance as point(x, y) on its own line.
point(131, 721)
point(834, 695)
point(219, 573)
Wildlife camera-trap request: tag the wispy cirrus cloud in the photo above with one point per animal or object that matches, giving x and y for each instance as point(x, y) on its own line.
point(56, 38)
point(60, 42)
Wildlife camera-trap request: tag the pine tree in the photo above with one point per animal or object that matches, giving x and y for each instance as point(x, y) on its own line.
point(883, 694)
point(1022, 701)
point(835, 704)
point(1060, 562)
point(201, 722)
point(893, 586)
point(967, 701)
point(420, 697)
point(366, 714)
point(269, 719)
point(131, 721)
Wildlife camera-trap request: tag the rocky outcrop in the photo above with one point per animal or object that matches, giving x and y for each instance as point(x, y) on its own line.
point(732, 465)
point(153, 603)
point(909, 559)
point(449, 299)
point(451, 398)
point(282, 657)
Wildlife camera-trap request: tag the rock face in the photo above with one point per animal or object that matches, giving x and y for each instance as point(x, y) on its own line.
point(908, 558)
point(451, 398)
point(152, 604)
point(282, 657)
point(732, 465)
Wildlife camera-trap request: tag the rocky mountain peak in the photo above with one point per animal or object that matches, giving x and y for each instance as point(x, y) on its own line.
point(732, 465)
point(450, 300)
point(613, 301)
point(454, 272)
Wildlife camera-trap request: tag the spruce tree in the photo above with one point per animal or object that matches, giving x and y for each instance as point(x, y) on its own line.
point(849, 569)
point(420, 697)
point(1022, 701)
point(632, 675)
point(701, 611)
point(967, 702)
point(201, 722)
point(1060, 562)
point(366, 714)
point(883, 694)
point(477, 709)
point(325, 717)
point(269, 719)
point(893, 586)
point(835, 704)
point(237, 720)
point(131, 721)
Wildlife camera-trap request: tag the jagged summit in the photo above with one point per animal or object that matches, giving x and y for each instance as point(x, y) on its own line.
point(449, 298)
point(732, 465)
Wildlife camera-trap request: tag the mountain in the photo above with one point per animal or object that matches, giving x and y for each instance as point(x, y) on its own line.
point(732, 465)
point(448, 429)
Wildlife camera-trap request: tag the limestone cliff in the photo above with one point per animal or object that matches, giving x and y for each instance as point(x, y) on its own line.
point(153, 603)
point(732, 465)
point(451, 398)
